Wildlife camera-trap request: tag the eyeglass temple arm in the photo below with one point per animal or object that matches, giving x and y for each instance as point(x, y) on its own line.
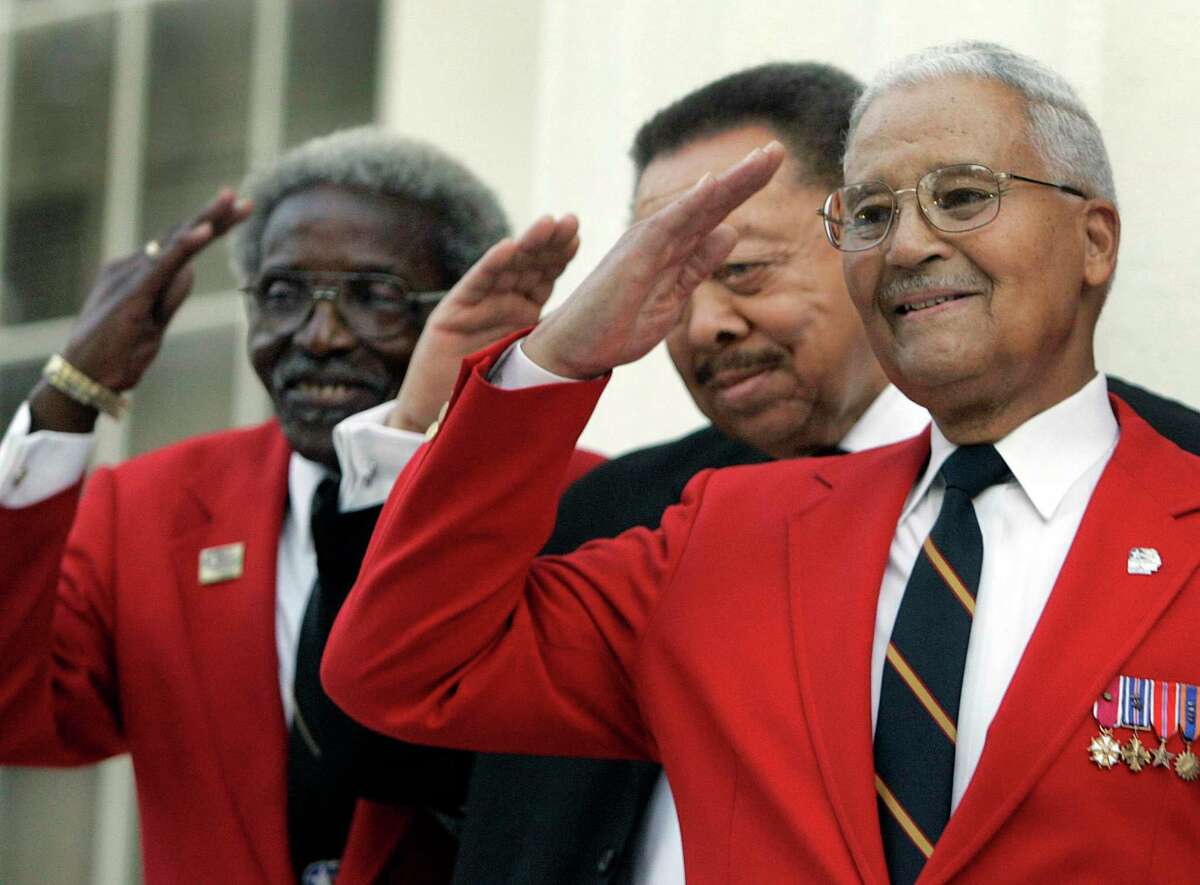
point(1066, 188)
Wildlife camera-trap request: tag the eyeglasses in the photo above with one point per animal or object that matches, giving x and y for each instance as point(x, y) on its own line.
point(373, 305)
point(952, 199)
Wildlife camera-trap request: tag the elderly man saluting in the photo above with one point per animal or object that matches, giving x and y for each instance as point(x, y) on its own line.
point(177, 609)
point(910, 662)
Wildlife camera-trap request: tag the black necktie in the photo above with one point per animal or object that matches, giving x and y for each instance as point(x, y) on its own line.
point(916, 730)
point(321, 745)
point(332, 760)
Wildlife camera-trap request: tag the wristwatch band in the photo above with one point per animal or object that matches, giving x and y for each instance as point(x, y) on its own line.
point(64, 377)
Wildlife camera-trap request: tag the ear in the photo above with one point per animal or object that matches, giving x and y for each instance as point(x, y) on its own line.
point(1102, 232)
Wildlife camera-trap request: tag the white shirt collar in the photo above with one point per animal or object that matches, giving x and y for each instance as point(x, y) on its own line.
point(1047, 453)
point(890, 418)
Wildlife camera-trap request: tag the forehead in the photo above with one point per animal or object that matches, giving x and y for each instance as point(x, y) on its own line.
point(910, 130)
point(336, 228)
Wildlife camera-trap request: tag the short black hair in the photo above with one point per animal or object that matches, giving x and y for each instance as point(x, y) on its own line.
point(806, 104)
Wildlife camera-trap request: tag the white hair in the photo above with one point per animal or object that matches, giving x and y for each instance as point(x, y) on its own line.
point(1061, 130)
point(370, 159)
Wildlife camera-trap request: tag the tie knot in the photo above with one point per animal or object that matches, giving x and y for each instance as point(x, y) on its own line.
point(972, 469)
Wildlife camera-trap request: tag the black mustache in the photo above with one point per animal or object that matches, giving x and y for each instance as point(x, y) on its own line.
point(332, 371)
point(737, 360)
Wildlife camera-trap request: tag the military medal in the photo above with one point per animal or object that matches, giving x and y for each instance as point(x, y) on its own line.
point(1133, 712)
point(1187, 766)
point(1104, 749)
point(1164, 715)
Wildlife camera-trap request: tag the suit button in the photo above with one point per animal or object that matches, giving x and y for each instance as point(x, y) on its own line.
point(606, 860)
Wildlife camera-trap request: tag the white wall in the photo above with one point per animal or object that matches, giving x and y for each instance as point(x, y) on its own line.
point(542, 97)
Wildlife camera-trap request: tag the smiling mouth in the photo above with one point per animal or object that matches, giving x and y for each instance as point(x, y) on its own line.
point(915, 306)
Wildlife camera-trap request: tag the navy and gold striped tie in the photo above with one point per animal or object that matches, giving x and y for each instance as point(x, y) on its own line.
point(916, 729)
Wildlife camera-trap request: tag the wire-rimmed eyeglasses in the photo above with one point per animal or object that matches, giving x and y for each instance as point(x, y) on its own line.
point(377, 306)
point(952, 199)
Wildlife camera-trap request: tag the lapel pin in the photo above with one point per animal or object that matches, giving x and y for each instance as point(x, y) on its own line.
point(222, 563)
point(1143, 561)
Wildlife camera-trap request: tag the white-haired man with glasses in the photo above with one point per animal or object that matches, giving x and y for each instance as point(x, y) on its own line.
point(176, 608)
point(968, 655)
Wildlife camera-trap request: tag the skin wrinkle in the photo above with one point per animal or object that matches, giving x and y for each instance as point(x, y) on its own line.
point(983, 364)
point(335, 229)
point(778, 303)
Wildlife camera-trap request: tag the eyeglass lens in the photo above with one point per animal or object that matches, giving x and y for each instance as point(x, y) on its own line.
point(372, 305)
point(955, 198)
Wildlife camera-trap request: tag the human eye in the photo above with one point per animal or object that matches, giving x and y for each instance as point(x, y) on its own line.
point(962, 195)
point(378, 295)
point(743, 277)
point(869, 210)
point(281, 294)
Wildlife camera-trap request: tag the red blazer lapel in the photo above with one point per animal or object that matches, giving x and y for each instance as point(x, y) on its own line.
point(1096, 616)
point(839, 543)
point(231, 627)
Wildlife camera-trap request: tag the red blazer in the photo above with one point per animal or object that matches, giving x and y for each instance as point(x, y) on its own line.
point(734, 645)
point(109, 644)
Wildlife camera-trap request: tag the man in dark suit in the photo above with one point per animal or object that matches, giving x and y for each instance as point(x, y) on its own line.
point(171, 609)
point(743, 643)
point(546, 820)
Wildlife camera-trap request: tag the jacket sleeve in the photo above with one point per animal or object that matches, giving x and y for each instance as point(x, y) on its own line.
point(456, 635)
point(57, 686)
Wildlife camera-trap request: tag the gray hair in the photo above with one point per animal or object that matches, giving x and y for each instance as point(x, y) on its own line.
point(370, 159)
point(1060, 128)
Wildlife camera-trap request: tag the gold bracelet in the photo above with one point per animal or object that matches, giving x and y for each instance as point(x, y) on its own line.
point(64, 377)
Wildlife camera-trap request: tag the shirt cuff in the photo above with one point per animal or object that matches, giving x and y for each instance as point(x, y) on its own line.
point(37, 466)
point(515, 371)
point(371, 456)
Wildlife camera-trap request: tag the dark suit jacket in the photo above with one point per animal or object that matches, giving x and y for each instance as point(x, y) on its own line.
point(548, 820)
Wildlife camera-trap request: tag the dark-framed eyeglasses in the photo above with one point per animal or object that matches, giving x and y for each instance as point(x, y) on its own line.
point(377, 306)
point(952, 199)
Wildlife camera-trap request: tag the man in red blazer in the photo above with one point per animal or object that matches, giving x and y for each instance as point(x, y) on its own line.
point(156, 611)
point(760, 642)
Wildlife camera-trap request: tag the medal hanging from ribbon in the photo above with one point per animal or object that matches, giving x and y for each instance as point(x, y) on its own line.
point(1135, 697)
point(1164, 716)
point(1187, 766)
point(1104, 749)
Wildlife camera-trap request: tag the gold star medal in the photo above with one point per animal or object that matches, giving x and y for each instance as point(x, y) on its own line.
point(1187, 766)
point(1104, 750)
point(1164, 715)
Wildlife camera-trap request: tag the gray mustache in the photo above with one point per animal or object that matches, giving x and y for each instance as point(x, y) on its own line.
point(921, 282)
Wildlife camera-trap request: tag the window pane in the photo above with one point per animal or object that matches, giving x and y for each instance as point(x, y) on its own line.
point(187, 390)
point(58, 158)
point(197, 109)
point(16, 381)
point(331, 66)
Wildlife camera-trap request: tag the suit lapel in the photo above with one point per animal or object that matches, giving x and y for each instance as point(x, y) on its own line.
point(231, 627)
point(1099, 612)
point(838, 549)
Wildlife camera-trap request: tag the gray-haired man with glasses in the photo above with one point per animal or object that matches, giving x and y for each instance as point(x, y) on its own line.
point(176, 608)
point(902, 663)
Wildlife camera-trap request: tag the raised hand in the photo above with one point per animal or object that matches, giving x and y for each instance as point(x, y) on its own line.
point(635, 295)
point(121, 325)
point(502, 293)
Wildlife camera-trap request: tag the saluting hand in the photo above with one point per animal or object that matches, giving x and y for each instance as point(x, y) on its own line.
point(503, 292)
point(637, 292)
point(121, 325)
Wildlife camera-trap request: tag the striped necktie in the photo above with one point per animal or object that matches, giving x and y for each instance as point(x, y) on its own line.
point(916, 730)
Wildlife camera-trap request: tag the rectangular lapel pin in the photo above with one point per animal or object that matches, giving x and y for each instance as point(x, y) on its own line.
point(223, 563)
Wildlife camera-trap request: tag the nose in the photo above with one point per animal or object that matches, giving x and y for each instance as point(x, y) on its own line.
point(324, 331)
point(912, 241)
point(713, 317)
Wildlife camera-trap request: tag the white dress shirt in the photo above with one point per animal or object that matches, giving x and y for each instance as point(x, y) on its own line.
point(37, 466)
point(657, 846)
point(1027, 524)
